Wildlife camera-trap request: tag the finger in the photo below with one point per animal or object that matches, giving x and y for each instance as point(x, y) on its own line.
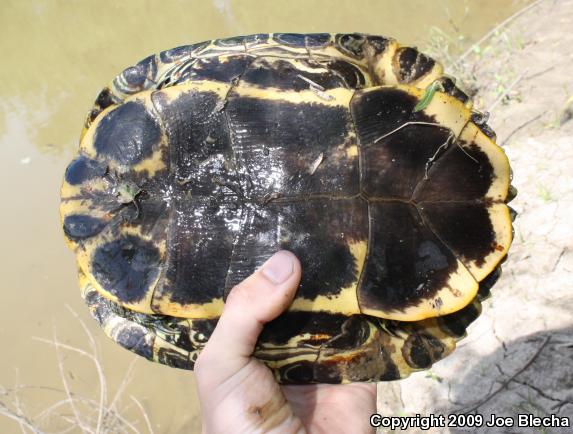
point(257, 300)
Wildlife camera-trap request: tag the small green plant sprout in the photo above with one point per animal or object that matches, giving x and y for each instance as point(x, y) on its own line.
point(127, 191)
point(544, 193)
point(428, 95)
point(567, 111)
point(433, 376)
point(124, 190)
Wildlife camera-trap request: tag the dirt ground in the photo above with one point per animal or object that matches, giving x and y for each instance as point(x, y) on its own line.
point(518, 356)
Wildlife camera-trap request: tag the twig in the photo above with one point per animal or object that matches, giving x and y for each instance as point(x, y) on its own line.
point(67, 386)
point(69, 394)
point(101, 376)
point(108, 412)
point(17, 405)
point(520, 127)
point(537, 74)
point(124, 382)
point(48, 411)
point(407, 124)
point(22, 420)
point(74, 411)
point(312, 83)
point(143, 412)
point(433, 157)
point(510, 379)
point(496, 29)
point(563, 250)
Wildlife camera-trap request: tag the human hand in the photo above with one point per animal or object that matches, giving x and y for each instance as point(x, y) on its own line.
point(239, 394)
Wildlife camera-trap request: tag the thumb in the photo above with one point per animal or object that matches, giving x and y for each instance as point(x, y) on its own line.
point(260, 298)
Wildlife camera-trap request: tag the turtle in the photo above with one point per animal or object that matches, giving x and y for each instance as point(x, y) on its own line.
point(358, 154)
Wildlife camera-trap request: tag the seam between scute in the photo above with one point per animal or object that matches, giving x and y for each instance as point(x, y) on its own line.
point(421, 181)
point(225, 101)
point(454, 145)
point(369, 241)
point(306, 47)
point(353, 119)
point(170, 218)
point(431, 229)
point(485, 201)
point(235, 161)
point(366, 257)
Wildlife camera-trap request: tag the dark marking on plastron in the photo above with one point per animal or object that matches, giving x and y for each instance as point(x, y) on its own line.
point(406, 263)
point(199, 141)
point(412, 64)
point(135, 338)
point(422, 350)
point(465, 228)
point(83, 169)
point(126, 267)
point(394, 165)
point(456, 323)
point(461, 175)
point(127, 134)
point(283, 139)
point(256, 241)
point(79, 227)
point(319, 233)
point(151, 217)
point(205, 235)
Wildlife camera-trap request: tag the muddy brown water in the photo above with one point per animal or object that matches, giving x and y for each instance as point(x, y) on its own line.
point(55, 56)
